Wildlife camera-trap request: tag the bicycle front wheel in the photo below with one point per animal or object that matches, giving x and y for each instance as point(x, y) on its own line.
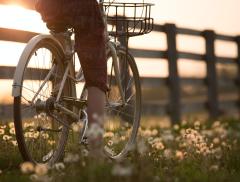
point(123, 112)
point(40, 136)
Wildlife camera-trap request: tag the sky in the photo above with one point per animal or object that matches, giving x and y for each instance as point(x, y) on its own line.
point(219, 15)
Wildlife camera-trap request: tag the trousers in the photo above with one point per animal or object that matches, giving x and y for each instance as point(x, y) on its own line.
point(90, 42)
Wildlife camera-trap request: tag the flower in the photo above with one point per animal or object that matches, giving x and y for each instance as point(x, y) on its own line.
point(158, 146)
point(59, 166)
point(41, 169)
point(28, 124)
point(2, 131)
point(11, 125)
point(6, 137)
point(146, 133)
point(184, 123)
point(12, 131)
point(27, 167)
point(29, 135)
point(179, 155)
point(45, 136)
point(216, 124)
point(3, 126)
point(197, 125)
point(154, 132)
point(110, 143)
point(167, 153)
point(76, 127)
point(108, 134)
point(51, 142)
point(14, 142)
point(216, 140)
point(85, 152)
point(176, 127)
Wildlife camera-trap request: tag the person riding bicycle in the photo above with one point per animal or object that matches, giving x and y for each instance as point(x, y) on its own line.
point(86, 19)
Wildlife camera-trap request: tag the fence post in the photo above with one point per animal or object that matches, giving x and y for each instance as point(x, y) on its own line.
point(173, 78)
point(211, 80)
point(238, 65)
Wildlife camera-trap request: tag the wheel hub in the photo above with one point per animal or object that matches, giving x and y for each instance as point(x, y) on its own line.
point(45, 106)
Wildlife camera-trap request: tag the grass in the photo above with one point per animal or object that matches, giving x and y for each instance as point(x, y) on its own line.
point(195, 151)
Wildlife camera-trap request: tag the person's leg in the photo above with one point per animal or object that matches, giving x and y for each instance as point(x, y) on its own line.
point(96, 103)
point(91, 50)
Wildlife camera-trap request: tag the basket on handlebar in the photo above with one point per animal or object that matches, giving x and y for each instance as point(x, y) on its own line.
point(128, 19)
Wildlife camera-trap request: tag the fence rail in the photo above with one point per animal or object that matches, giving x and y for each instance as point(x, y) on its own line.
point(176, 104)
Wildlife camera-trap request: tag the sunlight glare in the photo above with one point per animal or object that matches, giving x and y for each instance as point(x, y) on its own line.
point(17, 17)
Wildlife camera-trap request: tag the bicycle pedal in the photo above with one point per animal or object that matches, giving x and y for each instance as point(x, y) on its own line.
point(84, 141)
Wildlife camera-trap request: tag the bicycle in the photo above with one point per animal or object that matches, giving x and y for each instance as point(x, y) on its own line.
point(45, 96)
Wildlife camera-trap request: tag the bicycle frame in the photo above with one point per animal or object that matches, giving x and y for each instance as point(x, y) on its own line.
point(69, 71)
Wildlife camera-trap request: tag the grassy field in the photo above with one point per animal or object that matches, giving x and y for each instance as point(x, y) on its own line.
point(190, 151)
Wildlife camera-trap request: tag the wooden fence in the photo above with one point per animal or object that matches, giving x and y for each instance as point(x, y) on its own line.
point(175, 105)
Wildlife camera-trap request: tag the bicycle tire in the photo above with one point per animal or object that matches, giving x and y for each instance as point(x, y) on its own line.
point(24, 147)
point(130, 145)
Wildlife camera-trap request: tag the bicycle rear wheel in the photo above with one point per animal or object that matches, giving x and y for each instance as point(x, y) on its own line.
point(122, 119)
point(40, 136)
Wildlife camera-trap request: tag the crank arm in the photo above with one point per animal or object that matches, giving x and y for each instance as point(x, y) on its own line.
point(67, 111)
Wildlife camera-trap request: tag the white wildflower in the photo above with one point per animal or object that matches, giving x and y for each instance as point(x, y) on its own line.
point(197, 125)
point(27, 167)
point(108, 134)
point(216, 140)
point(154, 132)
point(85, 152)
point(12, 131)
point(51, 142)
point(3, 126)
point(2, 131)
point(179, 155)
point(7, 137)
point(158, 146)
point(110, 143)
point(11, 125)
point(45, 136)
point(59, 166)
point(41, 169)
point(167, 153)
point(14, 142)
point(76, 127)
point(176, 127)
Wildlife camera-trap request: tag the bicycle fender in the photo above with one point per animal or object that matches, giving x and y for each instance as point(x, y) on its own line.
point(23, 61)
